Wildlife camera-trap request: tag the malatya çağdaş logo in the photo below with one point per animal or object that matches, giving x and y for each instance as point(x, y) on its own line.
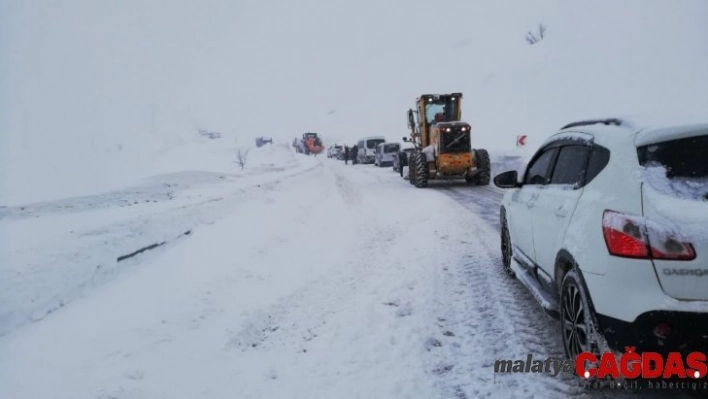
point(645, 365)
point(631, 365)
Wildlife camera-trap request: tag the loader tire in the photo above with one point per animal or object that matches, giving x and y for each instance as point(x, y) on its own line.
point(485, 167)
point(421, 169)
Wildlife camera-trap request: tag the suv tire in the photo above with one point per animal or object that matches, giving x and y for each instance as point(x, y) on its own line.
point(575, 317)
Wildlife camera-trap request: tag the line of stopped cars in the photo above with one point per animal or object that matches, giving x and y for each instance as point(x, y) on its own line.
point(607, 226)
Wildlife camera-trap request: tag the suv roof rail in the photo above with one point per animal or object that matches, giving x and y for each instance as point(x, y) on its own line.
point(608, 121)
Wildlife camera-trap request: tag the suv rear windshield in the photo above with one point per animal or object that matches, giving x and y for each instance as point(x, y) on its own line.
point(679, 167)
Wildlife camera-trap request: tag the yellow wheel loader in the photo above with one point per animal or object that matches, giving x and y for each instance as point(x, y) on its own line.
point(443, 147)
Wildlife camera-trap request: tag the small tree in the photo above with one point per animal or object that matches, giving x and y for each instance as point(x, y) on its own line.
point(535, 37)
point(241, 156)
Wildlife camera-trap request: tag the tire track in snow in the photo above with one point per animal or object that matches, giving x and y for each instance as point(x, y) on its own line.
point(359, 304)
point(482, 201)
point(280, 324)
point(481, 321)
point(498, 323)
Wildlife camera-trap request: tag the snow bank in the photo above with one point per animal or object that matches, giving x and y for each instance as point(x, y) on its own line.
point(54, 252)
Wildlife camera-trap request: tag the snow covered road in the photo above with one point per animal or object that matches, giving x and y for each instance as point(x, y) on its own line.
point(331, 281)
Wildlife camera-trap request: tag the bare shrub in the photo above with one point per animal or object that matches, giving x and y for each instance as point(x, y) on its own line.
point(537, 36)
point(241, 157)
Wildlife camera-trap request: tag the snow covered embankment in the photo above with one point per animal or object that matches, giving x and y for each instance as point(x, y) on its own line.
point(57, 251)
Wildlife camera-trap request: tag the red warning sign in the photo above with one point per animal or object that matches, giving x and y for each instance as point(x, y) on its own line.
point(521, 141)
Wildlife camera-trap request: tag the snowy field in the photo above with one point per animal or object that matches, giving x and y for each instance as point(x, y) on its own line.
point(312, 279)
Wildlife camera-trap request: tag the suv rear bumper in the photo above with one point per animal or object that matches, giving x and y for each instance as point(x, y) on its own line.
point(630, 289)
point(689, 332)
point(629, 304)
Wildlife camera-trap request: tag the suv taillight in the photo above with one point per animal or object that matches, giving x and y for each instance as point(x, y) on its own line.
point(633, 237)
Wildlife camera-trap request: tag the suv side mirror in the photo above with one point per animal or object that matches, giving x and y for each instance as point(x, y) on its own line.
point(508, 179)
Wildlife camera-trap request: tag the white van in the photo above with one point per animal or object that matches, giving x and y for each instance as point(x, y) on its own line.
point(367, 148)
point(385, 152)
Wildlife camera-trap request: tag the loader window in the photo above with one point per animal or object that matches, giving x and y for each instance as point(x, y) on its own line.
point(431, 109)
point(447, 107)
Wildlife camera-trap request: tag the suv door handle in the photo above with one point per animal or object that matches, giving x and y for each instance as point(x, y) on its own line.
point(562, 211)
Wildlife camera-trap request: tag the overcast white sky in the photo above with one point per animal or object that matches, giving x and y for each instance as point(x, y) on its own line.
point(97, 68)
point(275, 66)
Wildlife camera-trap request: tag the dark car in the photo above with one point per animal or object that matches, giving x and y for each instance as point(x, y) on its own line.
point(401, 160)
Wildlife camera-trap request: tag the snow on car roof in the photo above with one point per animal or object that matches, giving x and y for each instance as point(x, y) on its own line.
point(571, 135)
point(645, 129)
point(656, 135)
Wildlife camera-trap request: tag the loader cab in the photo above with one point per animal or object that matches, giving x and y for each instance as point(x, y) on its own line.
point(441, 108)
point(433, 109)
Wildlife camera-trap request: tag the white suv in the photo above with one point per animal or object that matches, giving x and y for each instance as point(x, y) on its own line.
point(334, 151)
point(608, 228)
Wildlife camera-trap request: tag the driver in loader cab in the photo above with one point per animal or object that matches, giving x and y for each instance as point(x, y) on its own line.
point(439, 117)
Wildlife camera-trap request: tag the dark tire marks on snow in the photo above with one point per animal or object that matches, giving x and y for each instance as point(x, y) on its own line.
point(482, 201)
